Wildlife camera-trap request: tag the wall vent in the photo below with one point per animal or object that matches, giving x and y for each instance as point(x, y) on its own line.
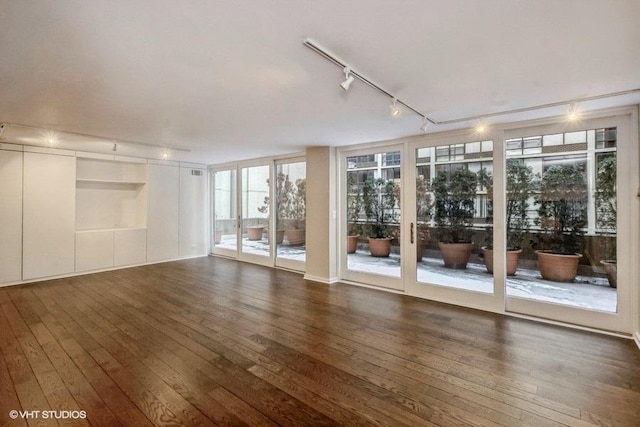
point(196, 172)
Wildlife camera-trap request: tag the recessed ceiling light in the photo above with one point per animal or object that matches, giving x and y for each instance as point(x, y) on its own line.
point(573, 114)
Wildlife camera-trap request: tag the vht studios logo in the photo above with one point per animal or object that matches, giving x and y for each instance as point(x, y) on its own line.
point(51, 415)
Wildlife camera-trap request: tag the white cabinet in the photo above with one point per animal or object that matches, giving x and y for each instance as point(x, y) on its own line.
point(94, 250)
point(48, 215)
point(163, 198)
point(193, 196)
point(10, 216)
point(130, 247)
point(110, 212)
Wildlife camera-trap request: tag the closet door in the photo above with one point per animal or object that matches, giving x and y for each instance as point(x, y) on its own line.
point(163, 223)
point(10, 216)
point(49, 215)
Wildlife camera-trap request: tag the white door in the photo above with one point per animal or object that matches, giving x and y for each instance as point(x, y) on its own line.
point(49, 215)
point(10, 216)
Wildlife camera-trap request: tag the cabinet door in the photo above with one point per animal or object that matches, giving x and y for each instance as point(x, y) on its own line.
point(163, 187)
point(193, 196)
point(130, 247)
point(49, 215)
point(94, 250)
point(10, 216)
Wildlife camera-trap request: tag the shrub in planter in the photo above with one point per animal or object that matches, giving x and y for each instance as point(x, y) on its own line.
point(521, 182)
point(379, 203)
point(454, 194)
point(423, 215)
point(297, 212)
point(562, 216)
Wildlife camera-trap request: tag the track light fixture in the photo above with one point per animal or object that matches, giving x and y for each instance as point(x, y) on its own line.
point(572, 115)
point(394, 109)
point(115, 146)
point(348, 79)
point(425, 124)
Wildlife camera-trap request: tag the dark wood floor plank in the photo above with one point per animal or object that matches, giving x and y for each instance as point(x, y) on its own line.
point(211, 341)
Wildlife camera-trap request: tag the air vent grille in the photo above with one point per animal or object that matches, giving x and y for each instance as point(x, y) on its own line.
point(196, 172)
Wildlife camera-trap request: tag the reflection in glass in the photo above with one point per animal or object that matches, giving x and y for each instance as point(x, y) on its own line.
point(225, 210)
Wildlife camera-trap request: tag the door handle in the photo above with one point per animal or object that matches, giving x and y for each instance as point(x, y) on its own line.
point(411, 229)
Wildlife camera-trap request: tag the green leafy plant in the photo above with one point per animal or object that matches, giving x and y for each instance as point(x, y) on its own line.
point(562, 209)
point(454, 194)
point(298, 208)
point(379, 202)
point(606, 206)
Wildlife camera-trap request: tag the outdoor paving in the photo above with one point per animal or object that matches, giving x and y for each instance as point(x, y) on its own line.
point(585, 292)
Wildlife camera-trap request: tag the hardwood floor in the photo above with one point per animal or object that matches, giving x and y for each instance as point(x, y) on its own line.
point(210, 341)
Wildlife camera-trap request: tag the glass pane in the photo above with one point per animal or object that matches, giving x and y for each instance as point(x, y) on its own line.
point(564, 223)
point(373, 214)
point(454, 213)
point(291, 191)
point(255, 210)
point(225, 210)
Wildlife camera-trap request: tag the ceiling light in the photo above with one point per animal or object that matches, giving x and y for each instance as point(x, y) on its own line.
point(481, 128)
point(348, 79)
point(425, 124)
point(115, 146)
point(394, 108)
point(573, 114)
point(165, 155)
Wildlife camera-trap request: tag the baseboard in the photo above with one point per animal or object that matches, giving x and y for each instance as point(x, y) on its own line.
point(636, 338)
point(324, 280)
point(82, 273)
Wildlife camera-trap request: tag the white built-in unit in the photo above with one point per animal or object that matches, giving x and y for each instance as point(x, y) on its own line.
point(110, 211)
point(10, 213)
point(163, 211)
point(48, 245)
point(193, 210)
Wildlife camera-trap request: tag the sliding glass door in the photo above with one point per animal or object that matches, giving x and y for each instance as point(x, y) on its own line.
point(225, 221)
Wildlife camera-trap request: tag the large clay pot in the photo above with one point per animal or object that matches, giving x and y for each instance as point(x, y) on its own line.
point(352, 244)
point(512, 260)
point(611, 268)
point(279, 237)
point(380, 247)
point(255, 232)
point(420, 248)
point(455, 255)
point(295, 236)
point(558, 268)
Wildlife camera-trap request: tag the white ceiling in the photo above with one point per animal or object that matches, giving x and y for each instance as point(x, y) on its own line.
point(232, 80)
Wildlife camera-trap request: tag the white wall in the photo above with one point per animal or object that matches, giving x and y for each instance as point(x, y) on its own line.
point(10, 216)
point(163, 212)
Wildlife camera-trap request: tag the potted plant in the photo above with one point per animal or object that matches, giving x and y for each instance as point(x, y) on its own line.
point(297, 212)
point(283, 196)
point(606, 212)
point(379, 202)
point(520, 183)
point(423, 212)
point(562, 215)
point(454, 194)
point(354, 208)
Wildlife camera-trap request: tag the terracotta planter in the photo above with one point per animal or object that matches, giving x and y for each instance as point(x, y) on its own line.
point(611, 268)
point(380, 247)
point(279, 237)
point(255, 232)
point(218, 237)
point(455, 255)
point(295, 236)
point(512, 260)
point(352, 244)
point(420, 248)
point(558, 268)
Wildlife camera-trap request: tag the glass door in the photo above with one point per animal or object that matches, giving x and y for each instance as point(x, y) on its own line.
point(290, 207)
point(451, 208)
point(563, 192)
point(255, 206)
point(225, 229)
point(371, 229)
